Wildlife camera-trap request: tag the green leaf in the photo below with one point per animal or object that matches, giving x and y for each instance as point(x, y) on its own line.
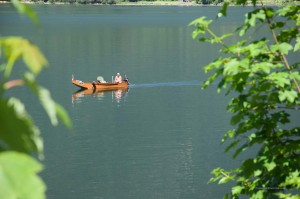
point(282, 47)
point(19, 177)
point(270, 165)
point(236, 190)
point(288, 196)
point(201, 24)
point(16, 47)
point(297, 45)
point(257, 172)
point(223, 11)
point(295, 75)
point(239, 150)
point(225, 179)
point(25, 9)
point(229, 134)
point(213, 65)
point(226, 196)
point(232, 145)
point(290, 96)
point(232, 67)
point(250, 20)
point(281, 79)
point(210, 80)
point(248, 168)
point(51, 107)
point(262, 66)
point(258, 195)
point(236, 118)
point(63, 115)
point(18, 131)
point(293, 179)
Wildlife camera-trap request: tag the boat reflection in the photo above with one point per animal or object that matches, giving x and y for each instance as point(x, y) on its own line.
point(117, 94)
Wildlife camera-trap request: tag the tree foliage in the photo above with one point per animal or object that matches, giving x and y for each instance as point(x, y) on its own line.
point(266, 90)
point(19, 136)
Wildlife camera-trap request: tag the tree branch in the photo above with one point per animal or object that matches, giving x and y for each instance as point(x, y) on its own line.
point(13, 83)
point(283, 57)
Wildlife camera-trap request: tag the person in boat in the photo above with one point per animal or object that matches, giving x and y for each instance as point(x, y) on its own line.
point(125, 79)
point(118, 78)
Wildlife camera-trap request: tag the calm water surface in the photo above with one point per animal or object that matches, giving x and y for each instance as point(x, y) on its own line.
point(160, 138)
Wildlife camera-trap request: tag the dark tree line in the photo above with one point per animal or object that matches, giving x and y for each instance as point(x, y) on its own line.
point(120, 1)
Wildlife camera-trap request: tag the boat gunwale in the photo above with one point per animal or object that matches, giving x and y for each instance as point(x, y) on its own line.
point(99, 85)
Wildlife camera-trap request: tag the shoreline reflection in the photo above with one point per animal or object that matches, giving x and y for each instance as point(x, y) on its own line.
point(116, 94)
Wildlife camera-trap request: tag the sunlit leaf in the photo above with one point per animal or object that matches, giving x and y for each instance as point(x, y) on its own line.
point(201, 26)
point(17, 47)
point(259, 69)
point(236, 190)
point(270, 165)
point(288, 95)
point(19, 179)
point(225, 179)
point(257, 172)
point(283, 48)
point(232, 67)
point(293, 179)
point(295, 75)
point(259, 194)
point(281, 79)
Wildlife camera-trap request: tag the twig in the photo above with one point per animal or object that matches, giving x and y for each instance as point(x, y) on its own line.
point(283, 57)
point(13, 83)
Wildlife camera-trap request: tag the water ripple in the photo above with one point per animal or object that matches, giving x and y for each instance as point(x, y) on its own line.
point(166, 84)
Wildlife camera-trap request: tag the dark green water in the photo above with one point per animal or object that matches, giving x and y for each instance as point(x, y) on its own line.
point(158, 140)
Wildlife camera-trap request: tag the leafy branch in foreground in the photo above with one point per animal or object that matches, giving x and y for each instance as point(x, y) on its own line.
point(266, 90)
point(19, 136)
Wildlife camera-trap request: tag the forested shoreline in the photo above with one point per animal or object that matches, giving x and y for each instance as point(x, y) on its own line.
point(147, 2)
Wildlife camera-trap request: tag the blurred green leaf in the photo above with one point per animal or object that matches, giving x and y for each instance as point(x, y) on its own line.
point(257, 172)
point(236, 190)
point(258, 195)
point(223, 11)
point(297, 45)
point(19, 179)
point(25, 9)
point(63, 115)
point(52, 109)
point(17, 47)
point(225, 179)
point(18, 131)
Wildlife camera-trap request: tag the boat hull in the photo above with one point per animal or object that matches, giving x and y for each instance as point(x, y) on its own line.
point(99, 86)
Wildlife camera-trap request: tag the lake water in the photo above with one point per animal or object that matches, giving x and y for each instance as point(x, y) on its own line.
point(160, 139)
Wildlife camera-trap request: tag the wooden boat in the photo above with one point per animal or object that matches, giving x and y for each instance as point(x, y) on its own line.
point(100, 85)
